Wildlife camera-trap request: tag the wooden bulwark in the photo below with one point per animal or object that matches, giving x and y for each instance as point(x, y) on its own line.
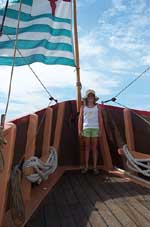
point(59, 123)
point(130, 138)
point(8, 152)
point(104, 146)
point(130, 135)
point(129, 129)
point(47, 134)
point(34, 195)
point(29, 152)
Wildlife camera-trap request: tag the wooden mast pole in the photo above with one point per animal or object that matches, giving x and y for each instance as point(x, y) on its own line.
point(78, 83)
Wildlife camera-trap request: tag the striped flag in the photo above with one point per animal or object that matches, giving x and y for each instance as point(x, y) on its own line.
point(44, 35)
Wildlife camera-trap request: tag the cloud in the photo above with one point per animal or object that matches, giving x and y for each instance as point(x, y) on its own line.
point(119, 65)
point(117, 47)
point(100, 83)
point(114, 48)
point(146, 60)
point(27, 95)
point(118, 5)
point(127, 31)
point(89, 47)
point(84, 3)
point(124, 37)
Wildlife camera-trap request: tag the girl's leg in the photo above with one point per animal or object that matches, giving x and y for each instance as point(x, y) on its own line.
point(87, 151)
point(94, 150)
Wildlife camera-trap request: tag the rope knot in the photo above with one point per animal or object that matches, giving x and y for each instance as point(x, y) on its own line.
point(41, 169)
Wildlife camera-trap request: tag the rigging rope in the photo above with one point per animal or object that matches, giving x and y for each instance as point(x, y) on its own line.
point(128, 85)
point(3, 20)
point(113, 99)
point(50, 96)
point(14, 58)
point(138, 115)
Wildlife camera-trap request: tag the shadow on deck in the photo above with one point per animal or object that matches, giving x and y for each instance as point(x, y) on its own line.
point(96, 201)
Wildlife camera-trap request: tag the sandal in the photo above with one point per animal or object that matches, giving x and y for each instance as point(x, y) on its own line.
point(95, 171)
point(84, 171)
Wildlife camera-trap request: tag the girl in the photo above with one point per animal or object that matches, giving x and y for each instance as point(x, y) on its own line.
point(88, 127)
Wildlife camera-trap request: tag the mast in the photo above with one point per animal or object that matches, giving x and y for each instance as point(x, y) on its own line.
point(78, 83)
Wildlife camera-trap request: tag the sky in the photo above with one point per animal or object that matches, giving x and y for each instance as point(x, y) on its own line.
point(114, 48)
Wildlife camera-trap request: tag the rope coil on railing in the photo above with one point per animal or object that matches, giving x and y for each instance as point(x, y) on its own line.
point(17, 204)
point(41, 169)
point(137, 165)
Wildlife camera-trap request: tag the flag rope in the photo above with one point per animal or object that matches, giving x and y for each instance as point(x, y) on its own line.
point(50, 96)
point(13, 63)
point(4, 15)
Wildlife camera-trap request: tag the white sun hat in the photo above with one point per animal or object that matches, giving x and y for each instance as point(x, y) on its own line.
point(90, 91)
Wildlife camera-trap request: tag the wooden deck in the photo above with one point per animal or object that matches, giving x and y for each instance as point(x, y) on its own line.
point(94, 201)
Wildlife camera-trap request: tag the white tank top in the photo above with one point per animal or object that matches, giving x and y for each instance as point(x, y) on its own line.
point(90, 117)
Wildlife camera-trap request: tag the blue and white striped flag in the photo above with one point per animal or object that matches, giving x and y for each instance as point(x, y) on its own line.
point(45, 32)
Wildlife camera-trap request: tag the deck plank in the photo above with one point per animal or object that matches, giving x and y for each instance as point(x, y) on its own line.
point(93, 216)
point(142, 214)
point(122, 202)
point(98, 186)
point(142, 194)
point(66, 218)
point(47, 215)
point(122, 199)
point(98, 203)
point(74, 204)
point(93, 201)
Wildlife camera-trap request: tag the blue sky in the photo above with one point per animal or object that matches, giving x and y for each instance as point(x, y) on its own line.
point(114, 48)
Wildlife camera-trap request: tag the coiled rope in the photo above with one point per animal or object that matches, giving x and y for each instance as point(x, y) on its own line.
point(17, 205)
point(137, 165)
point(17, 200)
point(41, 169)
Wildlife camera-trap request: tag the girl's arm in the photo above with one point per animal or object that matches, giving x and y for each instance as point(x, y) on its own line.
point(80, 121)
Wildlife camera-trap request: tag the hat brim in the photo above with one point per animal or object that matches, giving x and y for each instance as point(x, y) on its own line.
point(85, 97)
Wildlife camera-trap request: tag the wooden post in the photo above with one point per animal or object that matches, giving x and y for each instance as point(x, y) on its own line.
point(59, 125)
point(8, 153)
point(129, 129)
point(104, 146)
point(78, 83)
point(29, 152)
point(47, 134)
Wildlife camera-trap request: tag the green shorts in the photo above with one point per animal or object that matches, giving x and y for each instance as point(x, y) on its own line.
point(90, 132)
